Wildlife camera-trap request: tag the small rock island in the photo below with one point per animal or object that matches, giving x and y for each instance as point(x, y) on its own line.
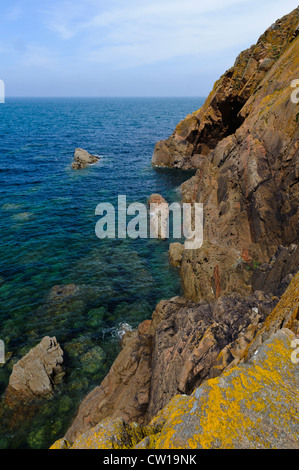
point(82, 159)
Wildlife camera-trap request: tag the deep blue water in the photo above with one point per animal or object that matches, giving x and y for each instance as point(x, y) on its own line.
point(47, 228)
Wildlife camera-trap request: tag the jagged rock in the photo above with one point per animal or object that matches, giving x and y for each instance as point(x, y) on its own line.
point(184, 344)
point(236, 184)
point(246, 142)
point(273, 277)
point(33, 376)
point(220, 116)
point(285, 315)
point(193, 342)
point(159, 213)
point(82, 159)
point(125, 390)
point(253, 406)
point(175, 253)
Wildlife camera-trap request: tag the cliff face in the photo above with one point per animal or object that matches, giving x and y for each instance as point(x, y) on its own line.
point(249, 189)
point(221, 114)
point(225, 346)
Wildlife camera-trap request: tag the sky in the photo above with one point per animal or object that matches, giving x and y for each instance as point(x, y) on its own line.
point(126, 47)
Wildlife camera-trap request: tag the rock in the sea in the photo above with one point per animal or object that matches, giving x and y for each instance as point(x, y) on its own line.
point(34, 375)
point(159, 214)
point(175, 253)
point(156, 199)
point(82, 159)
point(62, 292)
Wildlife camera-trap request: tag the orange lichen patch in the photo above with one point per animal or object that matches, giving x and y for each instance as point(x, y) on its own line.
point(245, 255)
point(174, 414)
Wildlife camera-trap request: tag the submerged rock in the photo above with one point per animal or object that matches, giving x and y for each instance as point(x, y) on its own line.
point(34, 375)
point(82, 159)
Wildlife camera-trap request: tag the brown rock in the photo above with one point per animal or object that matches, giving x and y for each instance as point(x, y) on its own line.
point(220, 116)
point(125, 390)
point(159, 214)
point(82, 159)
point(175, 253)
point(156, 199)
point(248, 187)
point(33, 376)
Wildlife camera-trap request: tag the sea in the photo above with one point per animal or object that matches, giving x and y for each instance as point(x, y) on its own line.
point(57, 278)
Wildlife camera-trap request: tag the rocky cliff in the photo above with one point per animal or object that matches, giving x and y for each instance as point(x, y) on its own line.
point(222, 113)
point(248, 183)
point(216, 368)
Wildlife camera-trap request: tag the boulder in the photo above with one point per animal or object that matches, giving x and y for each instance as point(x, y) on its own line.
point(175, 253)
point(33, 377)
point(82, 159)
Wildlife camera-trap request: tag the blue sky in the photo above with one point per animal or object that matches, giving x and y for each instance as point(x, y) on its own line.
point(126, 47)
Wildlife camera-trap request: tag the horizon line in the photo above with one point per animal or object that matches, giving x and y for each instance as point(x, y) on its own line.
point(114, 96)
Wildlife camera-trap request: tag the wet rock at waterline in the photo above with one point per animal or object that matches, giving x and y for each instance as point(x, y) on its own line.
point(159, 213)
point(82, 159)
point(34, 375)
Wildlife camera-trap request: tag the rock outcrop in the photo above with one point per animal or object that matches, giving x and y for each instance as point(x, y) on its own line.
point(222, 113)
point(125, 390)
point(159, 214)
point(33, 377)
point(182, 346)
point(176, 253)
point(82, 159)
point(249, 188)
point(252, 406)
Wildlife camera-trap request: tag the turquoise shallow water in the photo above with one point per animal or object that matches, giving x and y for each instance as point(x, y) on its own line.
point(47, 228)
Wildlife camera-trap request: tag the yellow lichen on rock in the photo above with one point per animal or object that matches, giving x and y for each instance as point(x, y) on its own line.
point(252, 406)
